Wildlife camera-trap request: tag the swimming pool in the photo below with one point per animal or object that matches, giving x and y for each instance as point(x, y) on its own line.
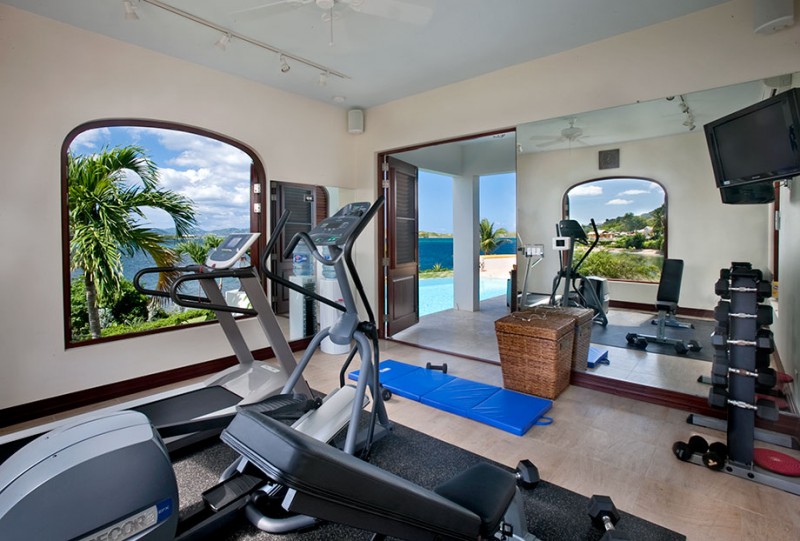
point(436, 294)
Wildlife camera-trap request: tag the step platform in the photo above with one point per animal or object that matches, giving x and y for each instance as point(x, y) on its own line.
point(507, 410)
point(597, 357)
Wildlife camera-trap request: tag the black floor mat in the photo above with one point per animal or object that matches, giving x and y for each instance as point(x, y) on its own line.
point(553, 513)
point(623, 322)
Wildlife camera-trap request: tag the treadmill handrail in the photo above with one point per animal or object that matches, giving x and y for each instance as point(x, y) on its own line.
point(202, 303)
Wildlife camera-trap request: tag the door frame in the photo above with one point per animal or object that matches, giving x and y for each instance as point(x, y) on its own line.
point(381, 243)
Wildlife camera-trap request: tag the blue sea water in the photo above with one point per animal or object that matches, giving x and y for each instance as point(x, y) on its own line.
point(440, 250)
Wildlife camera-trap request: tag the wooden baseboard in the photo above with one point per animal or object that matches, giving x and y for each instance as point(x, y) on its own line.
point(60, 404)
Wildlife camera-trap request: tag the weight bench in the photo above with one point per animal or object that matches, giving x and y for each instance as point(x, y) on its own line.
point(329, 484)
point(669, 291)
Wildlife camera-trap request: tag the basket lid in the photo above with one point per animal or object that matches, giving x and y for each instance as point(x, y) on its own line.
point(581, 315)
point(547, 325)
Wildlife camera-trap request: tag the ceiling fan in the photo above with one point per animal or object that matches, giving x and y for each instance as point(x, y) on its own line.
point(398, 10)
point(570, 134)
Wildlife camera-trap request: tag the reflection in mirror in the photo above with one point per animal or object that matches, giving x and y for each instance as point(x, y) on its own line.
point(301, 316)
point(663, 141)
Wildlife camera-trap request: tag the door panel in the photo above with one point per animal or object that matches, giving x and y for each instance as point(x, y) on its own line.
point(301, 201)
point(402, 230)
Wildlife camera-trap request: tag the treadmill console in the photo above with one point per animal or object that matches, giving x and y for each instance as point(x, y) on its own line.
point(230, 250)
point(337, 229)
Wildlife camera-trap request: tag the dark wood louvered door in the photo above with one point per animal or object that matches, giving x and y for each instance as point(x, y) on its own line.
point(301, 200)
point(402, 230)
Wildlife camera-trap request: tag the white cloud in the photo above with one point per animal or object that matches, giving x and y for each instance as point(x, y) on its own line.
point(634, 192)
point(619, 202)
point(586, 190)
point(90, 139)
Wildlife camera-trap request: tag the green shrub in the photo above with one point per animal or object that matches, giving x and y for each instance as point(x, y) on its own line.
point(180, 318)
point(621, 266)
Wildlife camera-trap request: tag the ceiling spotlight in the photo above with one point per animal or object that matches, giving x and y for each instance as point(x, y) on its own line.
point(223, 41)
point(284, 65)
point(339, 99)
point(130, 10)
point(325, 4)
point(323, 78)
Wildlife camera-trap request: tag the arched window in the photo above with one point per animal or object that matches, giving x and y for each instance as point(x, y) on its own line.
point(136, 193)
point(631, 218)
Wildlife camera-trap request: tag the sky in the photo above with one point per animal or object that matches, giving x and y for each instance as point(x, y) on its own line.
point(497, 201)
point(213, 174)
point(610, 198)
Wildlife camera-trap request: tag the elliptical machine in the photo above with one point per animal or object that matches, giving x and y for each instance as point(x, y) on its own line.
point(578, 290)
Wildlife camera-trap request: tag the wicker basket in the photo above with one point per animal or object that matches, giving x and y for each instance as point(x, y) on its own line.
point(583, 319)
point(535, 352)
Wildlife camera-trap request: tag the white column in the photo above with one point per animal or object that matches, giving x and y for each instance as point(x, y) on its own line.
point(466, 236)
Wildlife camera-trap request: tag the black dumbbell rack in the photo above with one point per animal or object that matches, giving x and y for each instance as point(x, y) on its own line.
point(743, 343)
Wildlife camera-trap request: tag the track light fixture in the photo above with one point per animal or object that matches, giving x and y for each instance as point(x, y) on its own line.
point(130, 10)
point(130, 13)
point(223, 41)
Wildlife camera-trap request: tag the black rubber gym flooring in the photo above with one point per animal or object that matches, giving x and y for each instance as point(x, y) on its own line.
point(553, 513)
point(621, 322)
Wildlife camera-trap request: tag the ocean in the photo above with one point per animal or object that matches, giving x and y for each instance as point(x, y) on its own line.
point(440, 250)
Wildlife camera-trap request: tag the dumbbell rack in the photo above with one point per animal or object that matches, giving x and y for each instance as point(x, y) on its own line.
point(743, 343)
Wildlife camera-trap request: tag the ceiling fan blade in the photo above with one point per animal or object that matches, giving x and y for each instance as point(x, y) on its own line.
point(553, 142)
point(270, 5)
point(396, 10)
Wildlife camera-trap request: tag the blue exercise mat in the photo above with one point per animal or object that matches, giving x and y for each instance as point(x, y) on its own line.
point(597, 356)
point(507, 410)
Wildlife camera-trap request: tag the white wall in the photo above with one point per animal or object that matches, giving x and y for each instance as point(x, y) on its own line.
point(54, 77)
point(704, 233)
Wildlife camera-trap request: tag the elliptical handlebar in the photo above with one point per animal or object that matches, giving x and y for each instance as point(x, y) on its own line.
point(203, 303)
point(594, 243)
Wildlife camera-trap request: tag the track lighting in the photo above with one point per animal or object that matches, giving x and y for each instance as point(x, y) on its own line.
point(685, 109)
point(223, 41)
point(228, 34)
point(130, 10)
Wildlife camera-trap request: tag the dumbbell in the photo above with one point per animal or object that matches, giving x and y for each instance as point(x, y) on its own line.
point(764, 408)
point(442, 367)
point(763, 341)
point(605, 516)
point(527, 474)
point(716, 455)
point(722, 311)
point(722, 288)
point(684, 450)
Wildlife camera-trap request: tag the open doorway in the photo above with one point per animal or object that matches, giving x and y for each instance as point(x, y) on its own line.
point(457, 185)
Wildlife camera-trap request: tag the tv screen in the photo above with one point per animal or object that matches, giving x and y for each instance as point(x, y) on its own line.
point(748, 194)
point(758, 143)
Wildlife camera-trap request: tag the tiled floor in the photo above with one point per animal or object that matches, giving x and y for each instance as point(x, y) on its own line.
point(473, 334)
point(600, 444)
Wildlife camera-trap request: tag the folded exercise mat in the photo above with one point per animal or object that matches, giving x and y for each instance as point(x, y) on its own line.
point(597, 356)
point(507, 410)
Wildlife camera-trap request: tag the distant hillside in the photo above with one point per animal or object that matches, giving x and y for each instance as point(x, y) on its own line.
point(631, 222)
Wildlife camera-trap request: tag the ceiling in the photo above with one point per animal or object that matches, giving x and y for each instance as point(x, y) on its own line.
point(374, 51)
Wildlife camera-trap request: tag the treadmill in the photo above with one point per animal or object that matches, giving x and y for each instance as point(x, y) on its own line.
point(196, 412)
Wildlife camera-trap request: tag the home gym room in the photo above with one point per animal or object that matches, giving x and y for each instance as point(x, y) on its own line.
point(59, 74)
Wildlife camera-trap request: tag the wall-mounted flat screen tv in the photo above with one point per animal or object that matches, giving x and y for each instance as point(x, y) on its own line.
point(758, 143)
point(748, 194)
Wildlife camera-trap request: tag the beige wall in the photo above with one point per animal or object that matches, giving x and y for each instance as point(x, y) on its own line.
point(54, 77)
point(700, 227)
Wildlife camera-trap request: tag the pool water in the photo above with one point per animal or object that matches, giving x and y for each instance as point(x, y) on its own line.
point(436, 294)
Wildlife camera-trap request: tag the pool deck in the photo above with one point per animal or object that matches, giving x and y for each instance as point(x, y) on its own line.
point(497, 266)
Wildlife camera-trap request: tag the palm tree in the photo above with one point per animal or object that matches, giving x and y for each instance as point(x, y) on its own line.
point(103, 211)
point(491, 238)
point(198, 251)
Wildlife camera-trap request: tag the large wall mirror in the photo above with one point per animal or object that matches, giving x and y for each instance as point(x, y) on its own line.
point(579, 158)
